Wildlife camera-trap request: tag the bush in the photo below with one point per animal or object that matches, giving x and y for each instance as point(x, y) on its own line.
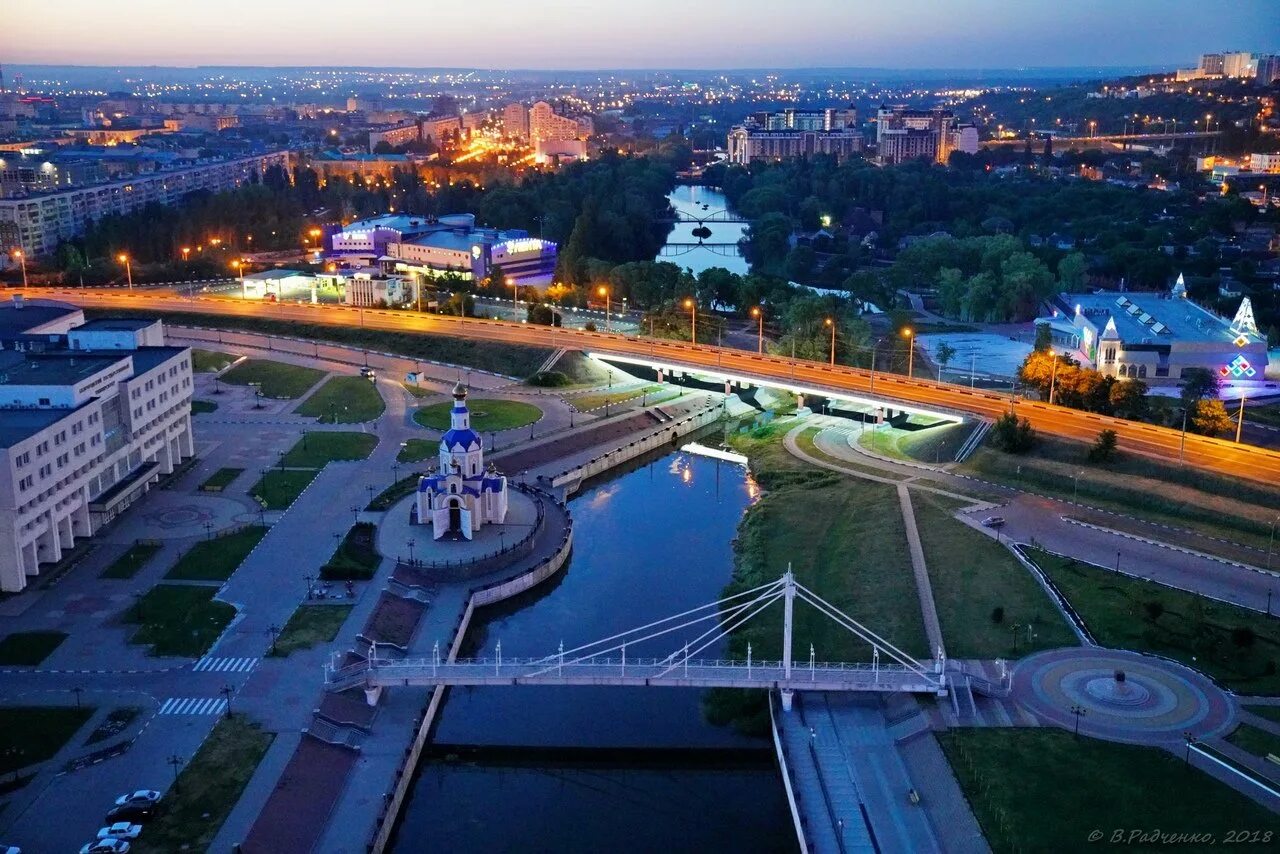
point(997, 614)
point(1104, 447)
point(1012, 434)
point(1154, 609)
point(550, 379)
point(1243, 637)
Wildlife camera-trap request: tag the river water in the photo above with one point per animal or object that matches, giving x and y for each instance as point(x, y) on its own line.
point(650, 542)
point(690, 200)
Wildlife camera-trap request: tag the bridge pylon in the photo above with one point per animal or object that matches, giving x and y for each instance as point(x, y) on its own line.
point(788, 613)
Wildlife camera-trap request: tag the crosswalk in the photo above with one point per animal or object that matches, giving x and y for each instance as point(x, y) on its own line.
point(193, 706)
point(211, 664)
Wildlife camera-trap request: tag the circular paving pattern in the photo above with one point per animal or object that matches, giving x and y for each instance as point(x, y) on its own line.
point(1153, 702)
point(187, 516)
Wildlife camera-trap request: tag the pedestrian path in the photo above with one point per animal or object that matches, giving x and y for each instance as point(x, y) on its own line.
point(213, 664)
point(924, 590)
point(193, 706)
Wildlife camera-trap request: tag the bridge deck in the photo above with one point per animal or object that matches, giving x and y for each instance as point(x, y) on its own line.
point(639, 673)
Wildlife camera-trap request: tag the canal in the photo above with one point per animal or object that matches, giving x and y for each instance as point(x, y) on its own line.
point(650, 542)
point(694, 200)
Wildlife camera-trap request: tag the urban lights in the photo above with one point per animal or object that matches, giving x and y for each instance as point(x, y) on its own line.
point(909, 334)
point(128, 268)
point(22, 260)
point(832, 324)
point(608, 298)
point(758, 314)
point(690, 304)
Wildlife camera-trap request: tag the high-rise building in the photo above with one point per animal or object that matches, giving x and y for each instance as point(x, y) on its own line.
point(905, 134)
point(515, 121)
point(1238, 64)
point(1268, 69)
point(545, 124)
point(795, 133)
point(1212, 63)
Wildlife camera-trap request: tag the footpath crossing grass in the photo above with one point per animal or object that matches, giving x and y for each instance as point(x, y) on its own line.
point(178, 619)
point(209, 361)
point(310, 625)
point(317, 448)
point(595, 400)
point(277, 489)
point(1259, 742)
point(278, 380)
point(27, 649)
point(218, 558)
point(30, 734)
point(1043, 790)
point(1238, 648)
point(972, 576)
point(208, 788)
point(129, 563)
point(488, 415)
point(344, 400)
point(355, 558)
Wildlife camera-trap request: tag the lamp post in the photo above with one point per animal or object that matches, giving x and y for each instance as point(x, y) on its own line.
point(692, 305)
point(1079, 712)
point(1271, 542)
point(515, 293)
point(909, 334)
point(228, 692)
point(1053, 378)
point(238, 266)
point(758, 314)
point(22, 260)
point(832, 324)
point(128, 268)
point(1240, 418)
point(608, 299)
point(177, 762)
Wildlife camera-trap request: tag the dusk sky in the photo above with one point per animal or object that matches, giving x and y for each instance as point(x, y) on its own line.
point(575, 34)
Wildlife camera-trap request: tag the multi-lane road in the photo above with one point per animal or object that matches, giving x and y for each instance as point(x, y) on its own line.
point(1218, 455)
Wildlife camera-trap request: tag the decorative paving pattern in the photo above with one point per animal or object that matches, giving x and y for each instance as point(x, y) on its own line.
point(1125, 696)
point(188, 518)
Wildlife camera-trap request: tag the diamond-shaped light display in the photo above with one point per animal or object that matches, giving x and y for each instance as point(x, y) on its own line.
point(1237, 368)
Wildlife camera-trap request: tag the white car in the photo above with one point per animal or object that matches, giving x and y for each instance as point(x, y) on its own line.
point(120, 830)
point(106, 846)
point(138, 798)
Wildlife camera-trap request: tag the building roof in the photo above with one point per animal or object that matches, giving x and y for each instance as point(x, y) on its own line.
point(15, 321)
point(1152, 316)
point(63, 368)
point(272, 274)
point(19, 424)
point(116, 324)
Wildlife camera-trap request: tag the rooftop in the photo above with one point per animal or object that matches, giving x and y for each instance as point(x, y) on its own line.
point(61, 369)
point(1152, 315)
point(115, 324)
point(19, 424)
point(15, 321)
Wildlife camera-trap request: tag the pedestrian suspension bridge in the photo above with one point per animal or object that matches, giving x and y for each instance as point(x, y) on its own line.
point(606, 661)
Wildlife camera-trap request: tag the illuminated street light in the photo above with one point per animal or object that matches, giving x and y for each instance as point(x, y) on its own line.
point(22, 260)
point(608, 299)
point(186, 253)
point(832, 324)
point(911, 349)
point(128, 268)
point(693, 326)
point(758, 314)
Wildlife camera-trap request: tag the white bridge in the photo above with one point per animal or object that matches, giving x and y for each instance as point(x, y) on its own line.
point(605, 662)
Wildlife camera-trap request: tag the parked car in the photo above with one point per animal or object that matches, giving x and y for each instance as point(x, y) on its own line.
point(369, 374)
point(131, 813)
point(142, 797)
point(106, 846)
point(993, 522)
point(120, 830)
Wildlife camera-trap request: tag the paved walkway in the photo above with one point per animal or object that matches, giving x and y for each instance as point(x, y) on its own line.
point(924, 590)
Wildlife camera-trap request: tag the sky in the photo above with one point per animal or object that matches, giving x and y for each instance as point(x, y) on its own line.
point(589, 34)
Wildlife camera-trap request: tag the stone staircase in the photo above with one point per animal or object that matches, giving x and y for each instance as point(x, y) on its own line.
point(328, 731)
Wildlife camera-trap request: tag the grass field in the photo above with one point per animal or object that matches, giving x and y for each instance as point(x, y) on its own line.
point(355, 558)
point(1235, 647)
point(418, 391)
point(178, 619)
point(218, 558)
point(402, 487)
point(278, 380)
point(805, 441)
point(208, 787)
point(343, 400)
point(416, 450)
point(277, 489)
point(30, 734)
point(221, 479)
point(203, 407)
point(27, 649)
point(1259, 742)
point(1271, 713)
point(1043, 790)
point(1269, 415)
point(209, 361)
point(937, 444)
point(595, 400)
point(310, 625)
point(128, 564)
point(506, 359)
point(487, 415)
point(972, 575)
point(317, 448)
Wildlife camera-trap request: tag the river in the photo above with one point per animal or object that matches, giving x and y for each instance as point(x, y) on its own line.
point(650, 542)
point(689, 200)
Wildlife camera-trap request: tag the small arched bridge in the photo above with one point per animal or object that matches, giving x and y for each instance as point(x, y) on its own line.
point(606, 662)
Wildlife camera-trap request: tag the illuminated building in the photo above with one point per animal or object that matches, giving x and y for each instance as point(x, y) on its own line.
point(434, 130)
point(795, 133)
point(515, 121)
point(394, 136)
point(904, 134)
point(545, 124)
point(460, 495)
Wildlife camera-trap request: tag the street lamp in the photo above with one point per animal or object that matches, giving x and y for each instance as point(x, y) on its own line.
point(832, 324)
point(1271, 542)
point(608, 298)
point(759, 316)
point(186, 254)
point(1079, 712)
point(690, 304)
point(22, 260)
point(909, 334)
point(515, 292)
point(128, 267)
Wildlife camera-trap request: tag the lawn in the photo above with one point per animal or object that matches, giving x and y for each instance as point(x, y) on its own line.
point(203, 407)
point(1271, 713)
point(1043, 790)
point(218, 558)
point(278, 380)
point(27, 649)
point(936, 444)
point(209, 361)
point(128, 564)
point(1235, 647)
point(418, 391)
point(355, 558)
point(1269, 415)
point(1259, 742)
point(310, 625)
point(178, 619)
point(30, 734)
point(487, 415)
point(208, 788)
point(277, 489)
point(220, 479)
point(805, 441)
point(416, 450)
point(972, 576)
point(587, 402)
point(343, 400)
point(317, 448)
point(402, 487)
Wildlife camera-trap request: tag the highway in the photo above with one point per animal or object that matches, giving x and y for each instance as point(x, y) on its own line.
point(1210, 454)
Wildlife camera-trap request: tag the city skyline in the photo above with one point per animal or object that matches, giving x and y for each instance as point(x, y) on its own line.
point(568, 35)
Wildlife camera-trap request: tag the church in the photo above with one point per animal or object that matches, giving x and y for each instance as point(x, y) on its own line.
point(461, 496)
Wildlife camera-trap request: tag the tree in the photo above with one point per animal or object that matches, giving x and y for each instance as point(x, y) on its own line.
point(1154, 609)
point(1199, 383)
point(944, 354)
point(542, 314)
point(1044, 337)
point(1209, 418)
point(1129, 400)
point(1072, 272)
point(1104, 447)
point(1012, 434)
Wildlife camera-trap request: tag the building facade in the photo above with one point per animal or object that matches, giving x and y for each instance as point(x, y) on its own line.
point(461, 496)
point(545, 124)
point(90, 419)
point(906, 134)
point(394, 136)
point(794, 133)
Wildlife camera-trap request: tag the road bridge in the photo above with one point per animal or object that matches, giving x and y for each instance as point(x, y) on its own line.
point(1207, 453)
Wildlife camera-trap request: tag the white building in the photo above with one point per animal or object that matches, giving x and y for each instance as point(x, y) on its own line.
point(461, 496)
point(371, 288)
point(90, 418)
point(279, 285)
point(545, 124)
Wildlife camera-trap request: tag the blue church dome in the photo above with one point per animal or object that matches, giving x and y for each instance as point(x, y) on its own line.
point(465, 439)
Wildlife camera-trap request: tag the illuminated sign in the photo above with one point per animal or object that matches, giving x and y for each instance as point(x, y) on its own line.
point(475, 251)
point(525, 244)
point(1242, 341)
point(1237, 368)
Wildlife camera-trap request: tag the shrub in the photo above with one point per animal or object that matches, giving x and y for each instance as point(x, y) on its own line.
point(1012, 434)
point(550, 379)
point(1154, 609)
point(1104, 448)
point(997, 614)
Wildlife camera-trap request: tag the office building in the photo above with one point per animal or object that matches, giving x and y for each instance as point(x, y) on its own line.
point(91, 416)
point(905, 134)
point(395, 136)
point(515, 121)
point(795, 133)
